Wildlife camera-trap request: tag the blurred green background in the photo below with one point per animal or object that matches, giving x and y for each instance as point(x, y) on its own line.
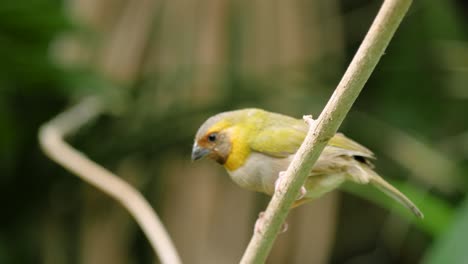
point(163, 67)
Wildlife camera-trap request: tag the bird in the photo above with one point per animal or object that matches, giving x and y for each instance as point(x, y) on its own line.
point(256, 146)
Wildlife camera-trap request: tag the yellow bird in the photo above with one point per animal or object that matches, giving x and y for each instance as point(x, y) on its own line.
point(256, 146)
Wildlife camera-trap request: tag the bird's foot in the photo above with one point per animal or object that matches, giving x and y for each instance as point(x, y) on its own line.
point(259, 224)
point(279, 183)
point(308, 119)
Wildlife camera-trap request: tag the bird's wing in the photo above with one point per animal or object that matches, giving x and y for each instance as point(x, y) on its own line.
point(280, 138)
point(349, 147)
point(283, 139)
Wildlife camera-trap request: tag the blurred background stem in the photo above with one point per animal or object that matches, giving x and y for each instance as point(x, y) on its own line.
point(162, 67)
point(51, 137)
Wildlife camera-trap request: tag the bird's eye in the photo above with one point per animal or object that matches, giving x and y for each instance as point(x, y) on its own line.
point(212, 137)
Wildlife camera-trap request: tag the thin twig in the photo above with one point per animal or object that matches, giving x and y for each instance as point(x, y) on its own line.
point(321, 130)
point(51, 138)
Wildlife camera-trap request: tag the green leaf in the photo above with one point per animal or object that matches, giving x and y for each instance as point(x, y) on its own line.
point(438, 214)
point(450, 247)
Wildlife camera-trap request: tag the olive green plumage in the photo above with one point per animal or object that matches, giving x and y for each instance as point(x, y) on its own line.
point(256, 145)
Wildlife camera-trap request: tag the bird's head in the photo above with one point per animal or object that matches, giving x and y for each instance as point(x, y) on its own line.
point(213, 140)
point(224, 138)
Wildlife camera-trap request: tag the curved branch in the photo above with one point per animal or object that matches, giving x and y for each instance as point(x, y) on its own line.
point(321, 130)
point(51, 138)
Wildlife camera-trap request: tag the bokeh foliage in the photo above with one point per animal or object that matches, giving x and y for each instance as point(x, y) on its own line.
point(412, 114)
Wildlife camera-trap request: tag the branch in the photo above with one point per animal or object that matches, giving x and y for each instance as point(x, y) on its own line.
point(51, 138)
point(321, 130)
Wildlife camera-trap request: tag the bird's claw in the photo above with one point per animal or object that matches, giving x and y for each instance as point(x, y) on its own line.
point(308, 119)
point(279, 181)
point(279, 185)
point(259, 225)
point(302, 193)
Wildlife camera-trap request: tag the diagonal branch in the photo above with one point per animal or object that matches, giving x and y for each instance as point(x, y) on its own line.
point(321, 130)
point(51, 138)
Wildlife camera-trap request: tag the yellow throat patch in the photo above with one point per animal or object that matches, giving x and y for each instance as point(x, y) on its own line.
point(240, 149)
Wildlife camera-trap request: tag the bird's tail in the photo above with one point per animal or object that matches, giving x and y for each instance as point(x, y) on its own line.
point(363, 174)
point(393, 192)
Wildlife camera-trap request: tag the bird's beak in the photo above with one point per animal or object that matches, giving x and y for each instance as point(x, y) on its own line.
point(199, 152)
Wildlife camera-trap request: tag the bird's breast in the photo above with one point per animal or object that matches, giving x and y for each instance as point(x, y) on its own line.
point(259, 172)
